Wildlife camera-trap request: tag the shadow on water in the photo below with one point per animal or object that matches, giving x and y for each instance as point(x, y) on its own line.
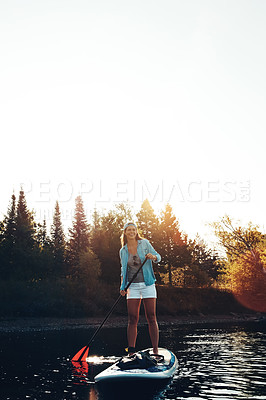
point(215, 362)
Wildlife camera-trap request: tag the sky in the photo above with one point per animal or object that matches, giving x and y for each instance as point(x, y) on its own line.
point(120, 101)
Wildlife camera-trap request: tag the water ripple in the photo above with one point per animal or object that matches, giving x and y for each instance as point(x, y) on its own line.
point(215, 363)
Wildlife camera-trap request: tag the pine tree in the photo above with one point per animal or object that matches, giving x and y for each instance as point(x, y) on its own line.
point(9, 223)
point(41, 235)
point(79, 234)
point(58, 242)
point(82, 261)
point(26, 249)
point(148, 223)
point(7, 239)
point(106, 241)
point(203, 268)
point(96, 220)
point(25, 225)
point(44, 267)
point(172, 245)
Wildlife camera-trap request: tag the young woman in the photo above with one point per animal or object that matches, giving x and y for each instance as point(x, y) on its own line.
point(133, 252)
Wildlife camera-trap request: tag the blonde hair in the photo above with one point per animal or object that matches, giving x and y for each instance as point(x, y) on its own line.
point(123, 237)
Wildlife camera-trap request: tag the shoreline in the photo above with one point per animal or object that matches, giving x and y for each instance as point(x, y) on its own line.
point(52, 323)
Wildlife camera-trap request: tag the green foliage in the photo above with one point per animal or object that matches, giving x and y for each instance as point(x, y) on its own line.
point(185, 301)
point(79, 234)
point(147, 222)
point(105, 240)
point(19, 247)
point(236, 240)
point(148, 225)
point(88, 268)
point(171, 244)
point(244, 269)
point(8, 239)
point(58, 244)
point(79, 274)
point(25, 226)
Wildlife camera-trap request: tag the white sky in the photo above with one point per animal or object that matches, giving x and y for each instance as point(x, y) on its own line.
point(126, 100)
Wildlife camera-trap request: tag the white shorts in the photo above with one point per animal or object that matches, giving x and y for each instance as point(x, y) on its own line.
point(141, 291)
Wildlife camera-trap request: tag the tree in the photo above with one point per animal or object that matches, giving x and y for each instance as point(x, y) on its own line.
point(203, 269)
point(245, 266)
point(22, 243)
point(41, 235)
point(172, 245)
point(89, 267)
point(106, 240)
point(7, 239)
point(58, 242)
point(44, 256)
point(236, 240)
point(79, 234)
point(148, 224)
point(79, 238)
point(26, 249)
point(25, 225)
point(9, 232)
point(96, 220)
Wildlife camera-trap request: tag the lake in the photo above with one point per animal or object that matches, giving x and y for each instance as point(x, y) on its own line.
point(216, 361)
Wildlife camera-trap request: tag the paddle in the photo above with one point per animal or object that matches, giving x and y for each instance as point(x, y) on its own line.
point(83, 353)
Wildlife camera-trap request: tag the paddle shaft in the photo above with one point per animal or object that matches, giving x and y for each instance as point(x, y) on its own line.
point(111, 310)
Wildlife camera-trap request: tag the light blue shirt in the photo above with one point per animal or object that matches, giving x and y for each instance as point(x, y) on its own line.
point(144, 247)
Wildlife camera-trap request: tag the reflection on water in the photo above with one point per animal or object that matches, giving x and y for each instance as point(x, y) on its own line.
point(218, 364)
point(215, 362)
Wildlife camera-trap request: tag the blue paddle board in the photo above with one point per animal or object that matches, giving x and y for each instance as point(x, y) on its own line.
point(124, 370)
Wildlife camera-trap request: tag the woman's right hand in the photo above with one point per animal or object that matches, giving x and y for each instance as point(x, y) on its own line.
point(123, 292)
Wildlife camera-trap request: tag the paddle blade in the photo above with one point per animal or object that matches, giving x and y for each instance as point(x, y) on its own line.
point(81, 355)
point(80, 370)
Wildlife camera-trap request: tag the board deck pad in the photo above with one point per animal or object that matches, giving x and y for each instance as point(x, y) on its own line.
point(163, 369)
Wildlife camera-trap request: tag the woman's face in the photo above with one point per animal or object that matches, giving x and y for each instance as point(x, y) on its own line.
point(131, 232)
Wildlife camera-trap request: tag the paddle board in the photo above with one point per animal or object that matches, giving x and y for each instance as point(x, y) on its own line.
point(163, 368)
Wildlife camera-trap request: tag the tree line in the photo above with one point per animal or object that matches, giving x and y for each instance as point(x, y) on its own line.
point(79, 268)
point(90, 250)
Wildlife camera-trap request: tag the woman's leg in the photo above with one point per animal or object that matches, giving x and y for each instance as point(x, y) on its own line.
point(150, 312)
point(133, 306)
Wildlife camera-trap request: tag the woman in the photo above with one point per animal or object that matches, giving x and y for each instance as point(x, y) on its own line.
point(133, 252)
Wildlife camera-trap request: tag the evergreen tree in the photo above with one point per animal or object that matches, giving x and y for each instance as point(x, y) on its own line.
point(58, 242)
point(96, 220)
point(204, 266)
point(173, 247)
point(44, 252)
point(106, 240)
point(25, 225)
point(25, 240)
point(41, 235)
point(206, 258)
point(7, 239)
point(10, 222)
point(79, 236)
point(148, 223)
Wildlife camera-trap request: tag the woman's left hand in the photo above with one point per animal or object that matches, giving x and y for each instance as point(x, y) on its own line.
point(151, 257)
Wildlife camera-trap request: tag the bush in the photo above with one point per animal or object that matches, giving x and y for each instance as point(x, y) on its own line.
point(70, 298)
point(180, 301)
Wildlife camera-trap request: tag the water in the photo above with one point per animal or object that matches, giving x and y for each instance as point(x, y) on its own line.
point(215, 362)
